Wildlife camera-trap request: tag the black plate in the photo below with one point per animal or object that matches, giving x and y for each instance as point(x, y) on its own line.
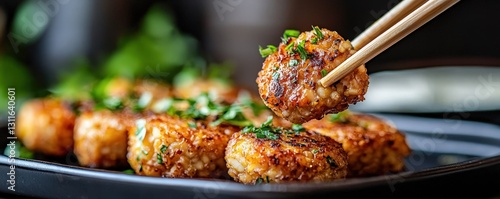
point(451, 158)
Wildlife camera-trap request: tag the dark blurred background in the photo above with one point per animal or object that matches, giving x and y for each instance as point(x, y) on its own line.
point(42, 40)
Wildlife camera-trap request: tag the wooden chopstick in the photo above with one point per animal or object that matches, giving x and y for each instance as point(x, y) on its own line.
point(407, 25)
point(390, 18)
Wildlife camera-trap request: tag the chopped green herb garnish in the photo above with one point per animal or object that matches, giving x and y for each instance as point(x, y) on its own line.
point(140, 132)
point(293, 62)
point(315, 151)
point(323, 73)
point(318, 32)
point(163, 105)
point(112, 103)
point(302, 50)
point(20, 151)
point(144, 152)
point(314, 40)
point(129, 171)
point(276, 68)
point(290, 33)
point(233, 115)
point(143, 102)
point(163, 148)
point(203, 106)
point(192, 125)
point(264, 131)
point(298, 128)
point(140, 168)
point(289, 48)
point(331, 162)
point(269, 132)
point(159, 159)
point(264, 52)
point(276, 76)
point(339, 117)
point(259, 180)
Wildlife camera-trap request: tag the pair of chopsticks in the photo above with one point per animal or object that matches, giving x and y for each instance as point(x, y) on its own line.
point(396, 24)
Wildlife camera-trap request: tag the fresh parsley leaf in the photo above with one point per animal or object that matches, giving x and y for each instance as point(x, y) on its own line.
point(159, 159)
point(163, 148)
point(192, 125)
point(293, 62)
point(233, 115)
point(341, 117)
point(264, 52)
point(20, 151)
point(324, 73)
point(129, 171)
point(259, 180)
point(298, 128)
point(265, 130)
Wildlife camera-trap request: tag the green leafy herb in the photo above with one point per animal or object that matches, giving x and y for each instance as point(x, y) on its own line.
point(144, 152)
point(264, 131)
point(129, 171)
point(20, 151)
point(144, 100)
point(289, 48)
point(314, 40)
point(264, 52)
point(192, 125)
point(302, 50)
point(233, 115)
point(269, 132)
point(331, 162)
point(293, 62)
point(290, 33)
point(163, 148)
point(276, 76)
point(159, 159)
point(315, 151)
point(203, 106)
point(318, 32)
point(323, 73)
point(341, 117)
point(140, 132)
point(298, 128)
point(259, 180)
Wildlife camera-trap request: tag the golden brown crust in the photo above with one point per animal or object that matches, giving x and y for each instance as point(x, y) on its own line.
point(300, 157)
point(373, 146)
point(101, 139)
point(171, 148)
point(45, 125)
point(293, 91)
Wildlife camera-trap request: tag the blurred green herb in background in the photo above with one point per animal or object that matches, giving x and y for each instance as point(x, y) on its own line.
point(158, 50)
point(14, 75)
